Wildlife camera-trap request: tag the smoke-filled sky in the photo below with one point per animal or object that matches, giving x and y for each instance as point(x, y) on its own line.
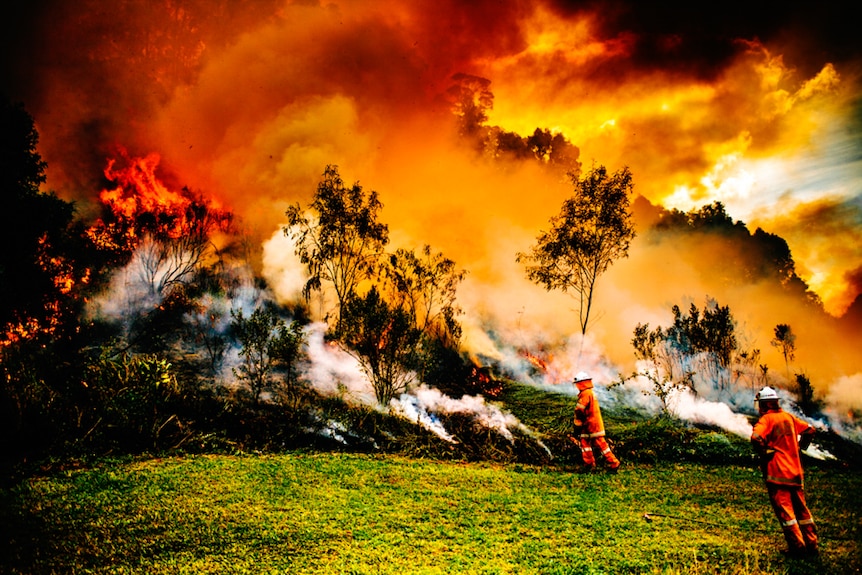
point(249, 100)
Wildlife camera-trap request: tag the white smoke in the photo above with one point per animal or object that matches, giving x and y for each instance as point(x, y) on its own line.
point(411, 408)
point(334, 372)
point(516, 352)
point(424, 405)
point(687, 406)
point(127, 295)
point(844, 406)
point(282, 269)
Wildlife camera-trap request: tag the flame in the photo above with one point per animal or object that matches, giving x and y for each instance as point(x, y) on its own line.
point(65, 278)
point(139, 191)
point(31, 327)
point(535, 361)
point(482, 381)
point(140, 204)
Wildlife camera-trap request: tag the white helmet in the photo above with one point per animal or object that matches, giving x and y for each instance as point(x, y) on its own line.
point(582, 376)
point(766, 393)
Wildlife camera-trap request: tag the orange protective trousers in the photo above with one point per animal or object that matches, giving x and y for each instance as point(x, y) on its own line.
point(589, 458)
point(794, 516)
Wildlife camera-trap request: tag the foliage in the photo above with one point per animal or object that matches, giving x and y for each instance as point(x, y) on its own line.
point(266, 341)
point(202, 328)
point(785, 342)
point(757, 256)
point(666, 369)
point(155, 329)
point(805, 394)
point(424, 286)
point(133, 396)
point(384, 339)
point(708, 337)
point(593, 229)
point(342, 242)
point(38, 268)
point(167, 230)
point(446, 368)
point(287, 351)
point(471, 99)
point(697, 345)
point(320, 513)
point(41, 400)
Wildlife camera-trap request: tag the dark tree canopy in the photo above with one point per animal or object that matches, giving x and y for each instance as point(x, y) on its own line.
point(471, 99)
point(33, 226)
point(384, 340)
point(757, 256)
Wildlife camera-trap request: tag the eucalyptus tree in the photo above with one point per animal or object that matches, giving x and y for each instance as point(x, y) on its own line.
point(338, 238)
point(384, 340)
point(593, 229)
point(785, 342)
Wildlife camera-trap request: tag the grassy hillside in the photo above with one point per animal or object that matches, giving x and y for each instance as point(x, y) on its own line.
point(354, 513)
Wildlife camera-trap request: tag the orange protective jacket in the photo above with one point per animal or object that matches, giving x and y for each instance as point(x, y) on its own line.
point(588, 416)
point(775, 438)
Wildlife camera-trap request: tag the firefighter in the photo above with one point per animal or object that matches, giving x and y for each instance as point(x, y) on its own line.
point(589, 427)
point(777, 438)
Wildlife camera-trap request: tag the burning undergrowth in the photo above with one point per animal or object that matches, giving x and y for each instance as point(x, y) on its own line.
point(228, 365)
point(508, 404)
point(421, 419)
point(713, 399)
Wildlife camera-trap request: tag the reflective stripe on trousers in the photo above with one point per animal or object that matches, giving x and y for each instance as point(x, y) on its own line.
point(795, 518)
point(586, 442)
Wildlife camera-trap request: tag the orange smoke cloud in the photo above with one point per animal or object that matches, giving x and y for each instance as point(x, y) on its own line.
point(249, 102)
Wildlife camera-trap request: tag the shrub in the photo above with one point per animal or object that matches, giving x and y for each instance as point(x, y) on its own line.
point(133, 395)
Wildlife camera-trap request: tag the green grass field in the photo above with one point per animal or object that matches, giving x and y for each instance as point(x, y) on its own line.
point(337, 513)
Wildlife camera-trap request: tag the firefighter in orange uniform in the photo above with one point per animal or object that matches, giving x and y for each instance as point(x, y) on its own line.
point(590, 427)
point(778, 438)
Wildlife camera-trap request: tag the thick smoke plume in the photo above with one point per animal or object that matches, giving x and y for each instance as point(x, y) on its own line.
point(247, 102)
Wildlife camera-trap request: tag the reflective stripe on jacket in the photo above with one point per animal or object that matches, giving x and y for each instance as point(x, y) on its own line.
point(588, 414)
point(775, 437)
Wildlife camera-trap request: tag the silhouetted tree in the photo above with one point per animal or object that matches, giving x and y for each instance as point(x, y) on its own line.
point(594, 229)
point(267, 342)
point(425, 286)
point(757, 257)
point(471, 99)
point(785, 342)
point(805, 393)
point(707, 339)
point(665, 369)
point(36, 270)
point(384, 340)
point(341, 242)
point(697, 346)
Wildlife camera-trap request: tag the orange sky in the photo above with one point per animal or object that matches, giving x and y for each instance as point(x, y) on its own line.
point(250, 100)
